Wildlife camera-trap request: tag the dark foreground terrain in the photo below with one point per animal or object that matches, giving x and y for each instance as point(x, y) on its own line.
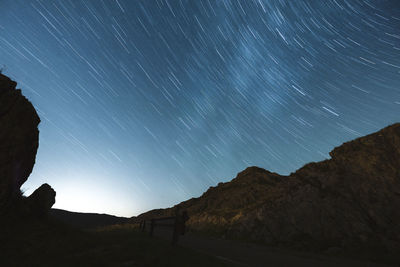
point(239, 253)
point(50, 243)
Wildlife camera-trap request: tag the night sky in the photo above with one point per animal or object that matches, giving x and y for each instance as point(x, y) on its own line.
point(148, 103)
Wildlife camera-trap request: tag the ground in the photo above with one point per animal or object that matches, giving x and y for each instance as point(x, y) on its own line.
point(44, 244)
point(49, 243)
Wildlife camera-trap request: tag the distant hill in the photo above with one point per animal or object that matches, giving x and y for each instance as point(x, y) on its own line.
point(85, 220)
point(348, 202)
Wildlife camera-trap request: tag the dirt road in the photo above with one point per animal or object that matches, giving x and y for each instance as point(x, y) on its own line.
point(251, 255)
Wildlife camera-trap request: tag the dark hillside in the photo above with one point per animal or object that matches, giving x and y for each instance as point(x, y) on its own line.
point(349, 202)
point(85, 220)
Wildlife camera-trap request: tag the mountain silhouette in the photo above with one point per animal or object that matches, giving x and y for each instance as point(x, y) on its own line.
point(85, 220)
point(348, 202)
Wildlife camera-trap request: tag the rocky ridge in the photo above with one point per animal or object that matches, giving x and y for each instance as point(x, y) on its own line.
point(350, 201)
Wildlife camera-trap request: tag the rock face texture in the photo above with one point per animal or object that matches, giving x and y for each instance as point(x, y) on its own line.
point(350, 201)
point(19, 141)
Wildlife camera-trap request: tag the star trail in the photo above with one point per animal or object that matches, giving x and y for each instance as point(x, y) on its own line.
point(148, 103)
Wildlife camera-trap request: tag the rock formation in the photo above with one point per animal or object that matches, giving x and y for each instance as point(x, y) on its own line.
point(351, 201)
point(41, 200)
point(19, 141)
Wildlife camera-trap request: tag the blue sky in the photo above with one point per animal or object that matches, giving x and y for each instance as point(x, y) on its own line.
point(148, 103)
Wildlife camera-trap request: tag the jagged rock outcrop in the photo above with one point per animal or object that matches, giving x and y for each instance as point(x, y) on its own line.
point(41, 200)
point(351, 201)
point(19, 141)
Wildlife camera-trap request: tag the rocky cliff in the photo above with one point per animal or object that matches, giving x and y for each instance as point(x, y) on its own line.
point(19, 141)
point(349, 201)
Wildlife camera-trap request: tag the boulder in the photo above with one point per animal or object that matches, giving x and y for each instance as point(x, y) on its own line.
point(41, 200)
point(19, 141)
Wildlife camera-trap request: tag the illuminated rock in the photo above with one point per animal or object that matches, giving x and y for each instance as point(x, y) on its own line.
point(351, 201)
